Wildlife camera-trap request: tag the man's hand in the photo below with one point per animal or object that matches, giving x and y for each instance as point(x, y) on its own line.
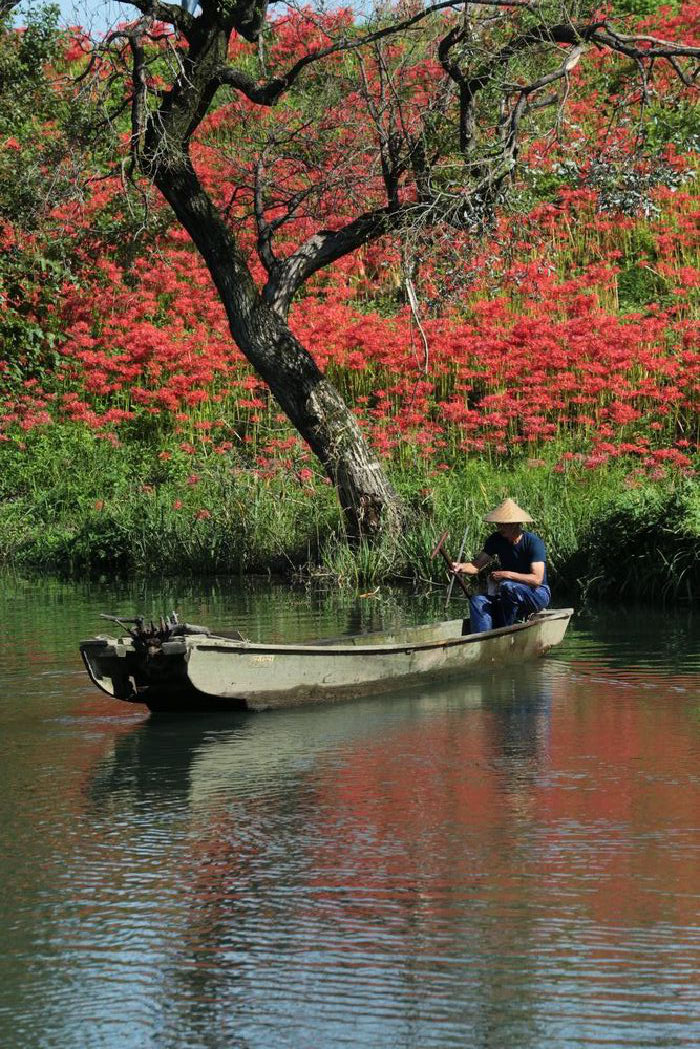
point(534, 577)
point(464, 568)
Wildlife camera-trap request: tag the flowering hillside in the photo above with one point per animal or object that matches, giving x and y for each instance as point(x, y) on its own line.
point(564, 335)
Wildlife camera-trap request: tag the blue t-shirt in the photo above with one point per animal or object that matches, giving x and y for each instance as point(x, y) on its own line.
point(517, 557)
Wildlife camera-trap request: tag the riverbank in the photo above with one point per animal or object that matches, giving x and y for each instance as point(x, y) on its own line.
point(76, 504)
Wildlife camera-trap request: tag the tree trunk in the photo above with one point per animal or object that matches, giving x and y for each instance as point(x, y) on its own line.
point(313, 405)
point(320, 415)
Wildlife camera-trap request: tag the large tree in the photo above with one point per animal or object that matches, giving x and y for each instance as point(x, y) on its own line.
point(434, 149)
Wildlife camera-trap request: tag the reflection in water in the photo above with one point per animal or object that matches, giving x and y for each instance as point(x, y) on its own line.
point(392, 859)
point(506, 861)
point(519, 738)
point(306, 831)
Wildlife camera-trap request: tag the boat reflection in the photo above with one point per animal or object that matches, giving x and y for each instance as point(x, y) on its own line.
point(238, 752)
point(360, 857)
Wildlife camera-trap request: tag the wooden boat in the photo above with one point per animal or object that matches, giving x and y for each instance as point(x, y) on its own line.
point(181, 668)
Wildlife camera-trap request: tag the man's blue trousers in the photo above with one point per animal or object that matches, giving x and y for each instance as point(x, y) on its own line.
point(512, 603)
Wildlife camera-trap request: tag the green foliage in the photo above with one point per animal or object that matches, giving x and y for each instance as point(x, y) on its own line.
point(601, 543)
point(34, 179)
point(23, 59)
point(638, 285)
point(29, 327)
point(72, 502)
point(47, 126)
point(679, 125)
point(535, 186)
point(645, 545)
point(26, 104)
point(639, 8)
point(17, 530)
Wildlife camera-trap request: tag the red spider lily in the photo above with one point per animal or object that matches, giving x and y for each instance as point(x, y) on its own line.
point(548, 356)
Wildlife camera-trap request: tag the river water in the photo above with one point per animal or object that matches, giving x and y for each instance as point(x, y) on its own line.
point(507, 861)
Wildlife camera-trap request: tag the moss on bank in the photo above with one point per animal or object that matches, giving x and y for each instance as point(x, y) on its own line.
point(73, 503)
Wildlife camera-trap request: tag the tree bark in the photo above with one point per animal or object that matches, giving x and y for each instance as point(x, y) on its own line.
point(369, 503)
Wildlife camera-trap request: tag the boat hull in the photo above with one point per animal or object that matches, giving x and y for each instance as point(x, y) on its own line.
point(214, 673)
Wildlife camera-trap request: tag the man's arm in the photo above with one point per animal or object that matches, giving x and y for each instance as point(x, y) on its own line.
point(535, 577)
point(472, 567)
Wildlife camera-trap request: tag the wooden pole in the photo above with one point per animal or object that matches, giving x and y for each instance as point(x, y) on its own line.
point(459, 558)
point(440, 549)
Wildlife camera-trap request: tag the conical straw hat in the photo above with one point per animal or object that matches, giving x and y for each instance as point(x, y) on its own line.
point(508, 513)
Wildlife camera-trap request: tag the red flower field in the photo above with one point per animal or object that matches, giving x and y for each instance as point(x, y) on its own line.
point(569, 329)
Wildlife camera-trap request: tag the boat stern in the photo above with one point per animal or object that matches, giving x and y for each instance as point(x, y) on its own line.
point(110, 662)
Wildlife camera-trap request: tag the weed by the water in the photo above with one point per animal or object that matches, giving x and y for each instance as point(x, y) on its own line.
point(75, 503)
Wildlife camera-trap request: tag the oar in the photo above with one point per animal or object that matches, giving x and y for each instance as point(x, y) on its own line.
point(461, 555)
point(440, 549)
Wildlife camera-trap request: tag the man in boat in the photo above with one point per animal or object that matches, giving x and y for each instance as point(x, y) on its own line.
point(519, 587)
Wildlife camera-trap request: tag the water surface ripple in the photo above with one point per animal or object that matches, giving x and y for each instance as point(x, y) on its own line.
point(507, 860)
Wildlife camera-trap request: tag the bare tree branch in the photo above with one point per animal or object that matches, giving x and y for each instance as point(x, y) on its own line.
point(524, 92)
point(265, 251)
point(609, 37)
point(138, 98)
point(325, 247)
point(267, 94)
point(169, 14)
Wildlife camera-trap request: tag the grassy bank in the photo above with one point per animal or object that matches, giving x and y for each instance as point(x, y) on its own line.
point(74, 503)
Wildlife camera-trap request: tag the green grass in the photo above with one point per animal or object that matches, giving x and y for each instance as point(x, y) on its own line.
point(73, 503)
point(603, 539)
